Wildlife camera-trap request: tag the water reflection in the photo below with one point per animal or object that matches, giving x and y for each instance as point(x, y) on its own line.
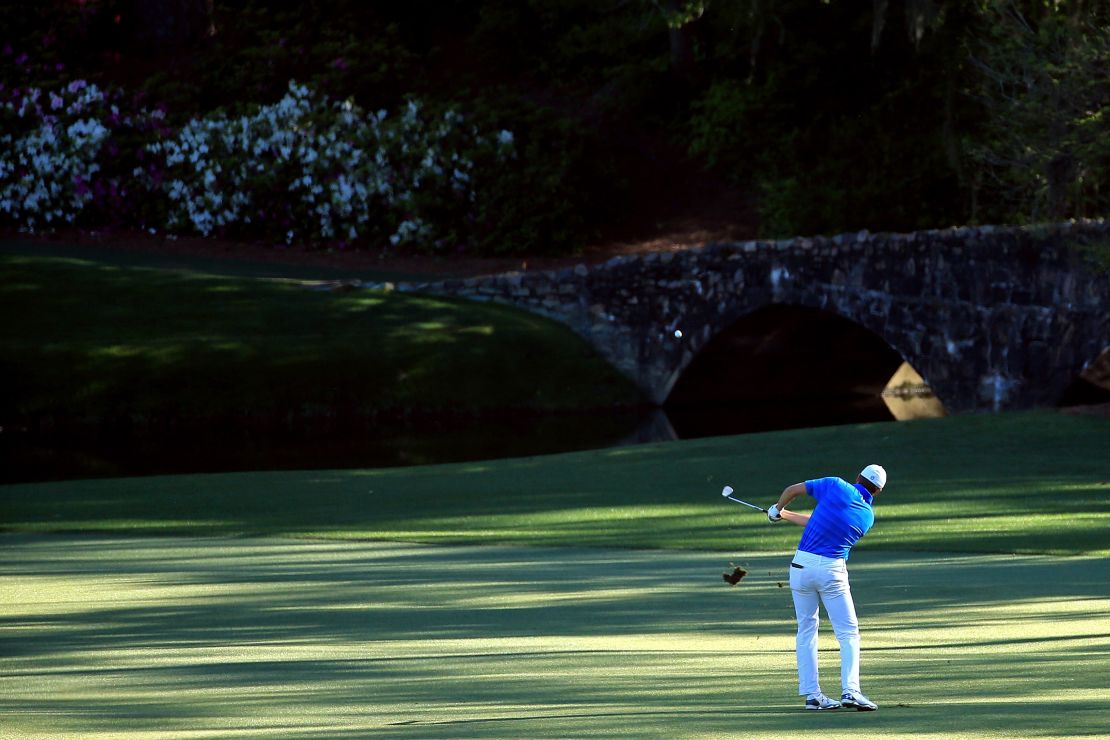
point(227, 447)
point(26, 457)
point(691, 420)
point(59, 457)
point(907, 396)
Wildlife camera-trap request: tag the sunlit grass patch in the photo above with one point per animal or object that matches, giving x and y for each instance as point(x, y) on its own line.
point(1041, 487)
point(152, 638)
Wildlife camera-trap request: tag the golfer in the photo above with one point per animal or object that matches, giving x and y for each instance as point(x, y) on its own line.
point(819, 575)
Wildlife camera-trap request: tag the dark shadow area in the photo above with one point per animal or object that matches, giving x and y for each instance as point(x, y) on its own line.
point(190, 372)
point(1092, 386)
point(125, 250)
point(1083, 393)
point(234, 447)
point(784, 367)
point(781, 367)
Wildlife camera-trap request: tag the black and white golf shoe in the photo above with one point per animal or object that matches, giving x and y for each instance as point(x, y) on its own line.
point(856, 700)
point(820, 701)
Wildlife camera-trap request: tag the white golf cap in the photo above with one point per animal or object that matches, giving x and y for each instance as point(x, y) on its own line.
point(875, 474)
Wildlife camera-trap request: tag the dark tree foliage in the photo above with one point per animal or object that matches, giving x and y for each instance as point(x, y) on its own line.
point(167, 24)
point(834, 114)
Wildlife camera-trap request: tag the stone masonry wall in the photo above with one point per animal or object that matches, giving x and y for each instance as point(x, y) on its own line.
point(992, 317)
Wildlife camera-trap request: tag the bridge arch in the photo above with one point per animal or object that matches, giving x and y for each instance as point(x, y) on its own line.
point(1092, 385)
point(786, 365)
point(829, 355)
point(992, 317)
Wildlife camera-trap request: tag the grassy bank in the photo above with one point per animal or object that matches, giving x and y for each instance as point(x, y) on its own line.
point(92, 343)
point(1036, 482)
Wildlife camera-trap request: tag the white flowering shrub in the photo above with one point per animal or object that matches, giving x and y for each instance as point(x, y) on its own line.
point(63, 155)
point(49, 144)
point(303, 169)
point(310, 169)
point(440, 164)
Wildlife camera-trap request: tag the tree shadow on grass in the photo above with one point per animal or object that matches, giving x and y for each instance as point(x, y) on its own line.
point(132, 635)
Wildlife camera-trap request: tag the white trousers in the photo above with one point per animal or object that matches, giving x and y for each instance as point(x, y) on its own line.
point(823, 580)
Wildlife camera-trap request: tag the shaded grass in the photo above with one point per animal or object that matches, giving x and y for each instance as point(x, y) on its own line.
point(167, 637)
point(91, 342)
point(161, 638)
point(1032, 482)
point(130, 636)
point(229, 264)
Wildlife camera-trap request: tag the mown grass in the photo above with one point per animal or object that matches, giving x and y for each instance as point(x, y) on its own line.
point(165, 637)
point(1031, 482)
point(593, 605)
point(624, 629)
point(91, 342)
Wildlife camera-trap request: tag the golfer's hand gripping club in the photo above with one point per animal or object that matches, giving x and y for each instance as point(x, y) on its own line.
point(774, 515)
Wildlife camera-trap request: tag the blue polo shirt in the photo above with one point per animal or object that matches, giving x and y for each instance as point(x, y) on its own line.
point(841, 516)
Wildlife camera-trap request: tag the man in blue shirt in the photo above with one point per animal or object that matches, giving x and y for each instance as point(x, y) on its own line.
point(819, 575)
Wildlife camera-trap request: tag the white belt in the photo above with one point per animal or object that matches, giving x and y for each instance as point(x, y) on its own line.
point(804, 559)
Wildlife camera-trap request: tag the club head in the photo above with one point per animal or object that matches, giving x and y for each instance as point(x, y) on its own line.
point(727, 491)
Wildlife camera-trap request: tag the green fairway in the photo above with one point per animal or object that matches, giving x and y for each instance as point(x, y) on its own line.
point(282, 638)
point(572, 595)
point(1034, 482)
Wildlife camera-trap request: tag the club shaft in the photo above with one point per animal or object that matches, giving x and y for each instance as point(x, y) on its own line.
point(745, 503)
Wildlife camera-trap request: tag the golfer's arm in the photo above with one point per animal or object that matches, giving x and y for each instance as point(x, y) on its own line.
point(795, 518)
point(789, 494)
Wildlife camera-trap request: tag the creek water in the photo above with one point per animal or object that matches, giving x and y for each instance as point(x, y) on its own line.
point(118, 453)
point(782, 367)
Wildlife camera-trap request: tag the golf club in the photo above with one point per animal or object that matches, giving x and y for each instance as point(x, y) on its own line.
point(727, 493)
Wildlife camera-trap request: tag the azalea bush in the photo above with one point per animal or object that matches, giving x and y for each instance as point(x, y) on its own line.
point(60, 152)
point(310, 169)
point(304, 169)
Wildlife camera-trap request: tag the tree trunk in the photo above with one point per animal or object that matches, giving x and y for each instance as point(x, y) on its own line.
point(681, 37)
point(682, 53)
point(1060, 175)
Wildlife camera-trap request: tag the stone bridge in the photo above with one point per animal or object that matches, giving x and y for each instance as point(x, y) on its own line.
point(992, 318)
